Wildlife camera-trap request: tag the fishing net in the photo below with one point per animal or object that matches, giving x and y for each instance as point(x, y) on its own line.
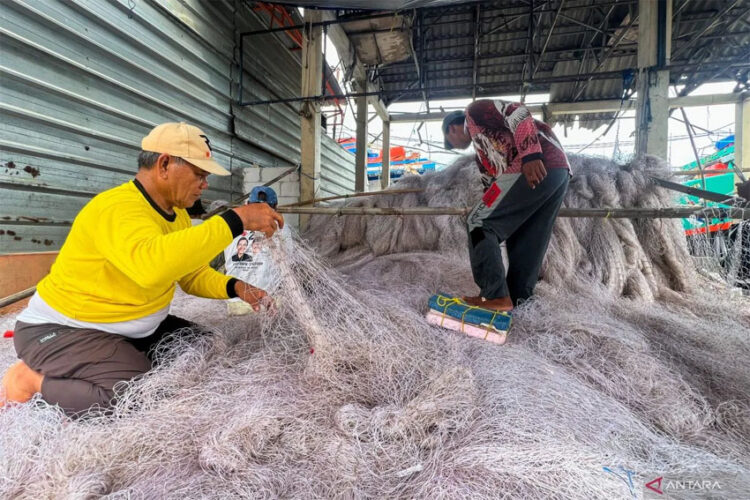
point(628, 359)
point(724, 252)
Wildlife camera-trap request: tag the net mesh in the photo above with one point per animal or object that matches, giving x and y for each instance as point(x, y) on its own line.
point(724, 254)
point(628, 358)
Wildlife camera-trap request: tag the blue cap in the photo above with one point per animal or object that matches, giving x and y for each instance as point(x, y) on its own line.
point(452, 118)
point(268, 196)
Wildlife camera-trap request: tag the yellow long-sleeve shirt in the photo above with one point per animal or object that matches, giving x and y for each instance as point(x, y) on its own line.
point(124, 255)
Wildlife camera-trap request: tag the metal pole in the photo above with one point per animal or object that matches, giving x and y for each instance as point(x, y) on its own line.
point(609, 52)
point(385, 167)
point(340, 20)
point(546, 40)
point(695, 150)
point(551, 79)
point(499, 86)
point(698, 172)
point(710, 24)
point(325, 64)
point(242, 61)
point(607, 213)
point(477, 35)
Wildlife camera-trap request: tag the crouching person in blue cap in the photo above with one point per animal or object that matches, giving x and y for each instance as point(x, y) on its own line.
point(250, 256)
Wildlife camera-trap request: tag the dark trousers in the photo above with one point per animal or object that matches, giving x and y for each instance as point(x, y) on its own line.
point(523, 218)
point(81, 365)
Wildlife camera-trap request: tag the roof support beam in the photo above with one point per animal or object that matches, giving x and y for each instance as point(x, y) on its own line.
point(710, 25)
point(507, 87)
point(602, 25)
point(477, 33)
point(360, 166)
point(718, 66)
point(494, 30)
point(652, 109)
point(696, 81)
point(385, 171)
point(742, 133)
point(580, 23)
point(312, 68)
point(546, 40)
point(418, 56)
point(609, 52)
point(589, 107)
point(506, 23)
point(502, 56)
point(352, 67)
point(529, 51)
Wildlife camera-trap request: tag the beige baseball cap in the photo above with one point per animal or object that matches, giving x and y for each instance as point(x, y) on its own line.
point(186, 141)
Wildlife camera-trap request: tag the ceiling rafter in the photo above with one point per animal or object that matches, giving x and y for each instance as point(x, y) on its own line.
point(709, 25)
point(476, 48)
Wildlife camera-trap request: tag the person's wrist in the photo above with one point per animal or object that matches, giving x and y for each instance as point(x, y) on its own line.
point(232, 288)
point(234, 221)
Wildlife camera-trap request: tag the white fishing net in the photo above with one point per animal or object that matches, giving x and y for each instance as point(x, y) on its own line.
point(724, 253)
point(627, 358)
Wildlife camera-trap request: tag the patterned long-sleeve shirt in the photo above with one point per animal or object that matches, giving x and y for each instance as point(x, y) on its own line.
point(506, 136)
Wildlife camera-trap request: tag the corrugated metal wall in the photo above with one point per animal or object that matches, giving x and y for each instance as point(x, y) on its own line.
point(271, 122)
point(82, 81)
point(337, 165)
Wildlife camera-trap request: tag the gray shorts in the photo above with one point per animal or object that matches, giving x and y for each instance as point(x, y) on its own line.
point(82, 365)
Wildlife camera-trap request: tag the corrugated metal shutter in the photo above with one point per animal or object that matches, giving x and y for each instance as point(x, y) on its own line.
point(81, 82)
point(336, 164)
point(336, 169)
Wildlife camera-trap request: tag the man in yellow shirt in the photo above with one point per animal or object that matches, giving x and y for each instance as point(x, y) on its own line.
point(105, 303)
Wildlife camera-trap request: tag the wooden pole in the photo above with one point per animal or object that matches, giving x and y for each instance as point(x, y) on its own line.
point(313, 57)
point(607, 213)
point(12, 299)
point(353, 195)
point(707, 172)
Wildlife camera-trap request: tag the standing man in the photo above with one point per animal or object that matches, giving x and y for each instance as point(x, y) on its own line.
point(525, 174)
point(105, 303)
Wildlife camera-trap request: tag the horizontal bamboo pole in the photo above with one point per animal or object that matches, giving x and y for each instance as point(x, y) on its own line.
point(374, 210)
point(12, 299)
point(352, 195)
point(708, 172)
point(614, 213)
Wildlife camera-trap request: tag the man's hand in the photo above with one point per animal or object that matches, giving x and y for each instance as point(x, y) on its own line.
point(260, 217)
point(534, 172)
point(256, 297)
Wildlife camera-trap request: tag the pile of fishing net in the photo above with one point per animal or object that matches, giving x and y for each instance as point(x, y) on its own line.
point(628, 359)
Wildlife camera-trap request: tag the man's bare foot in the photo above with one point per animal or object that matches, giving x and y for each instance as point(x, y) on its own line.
point(502, 304)
point(20, 383)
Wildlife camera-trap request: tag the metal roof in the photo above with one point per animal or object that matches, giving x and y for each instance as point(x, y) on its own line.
point(370, 5)
point(574, 49)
